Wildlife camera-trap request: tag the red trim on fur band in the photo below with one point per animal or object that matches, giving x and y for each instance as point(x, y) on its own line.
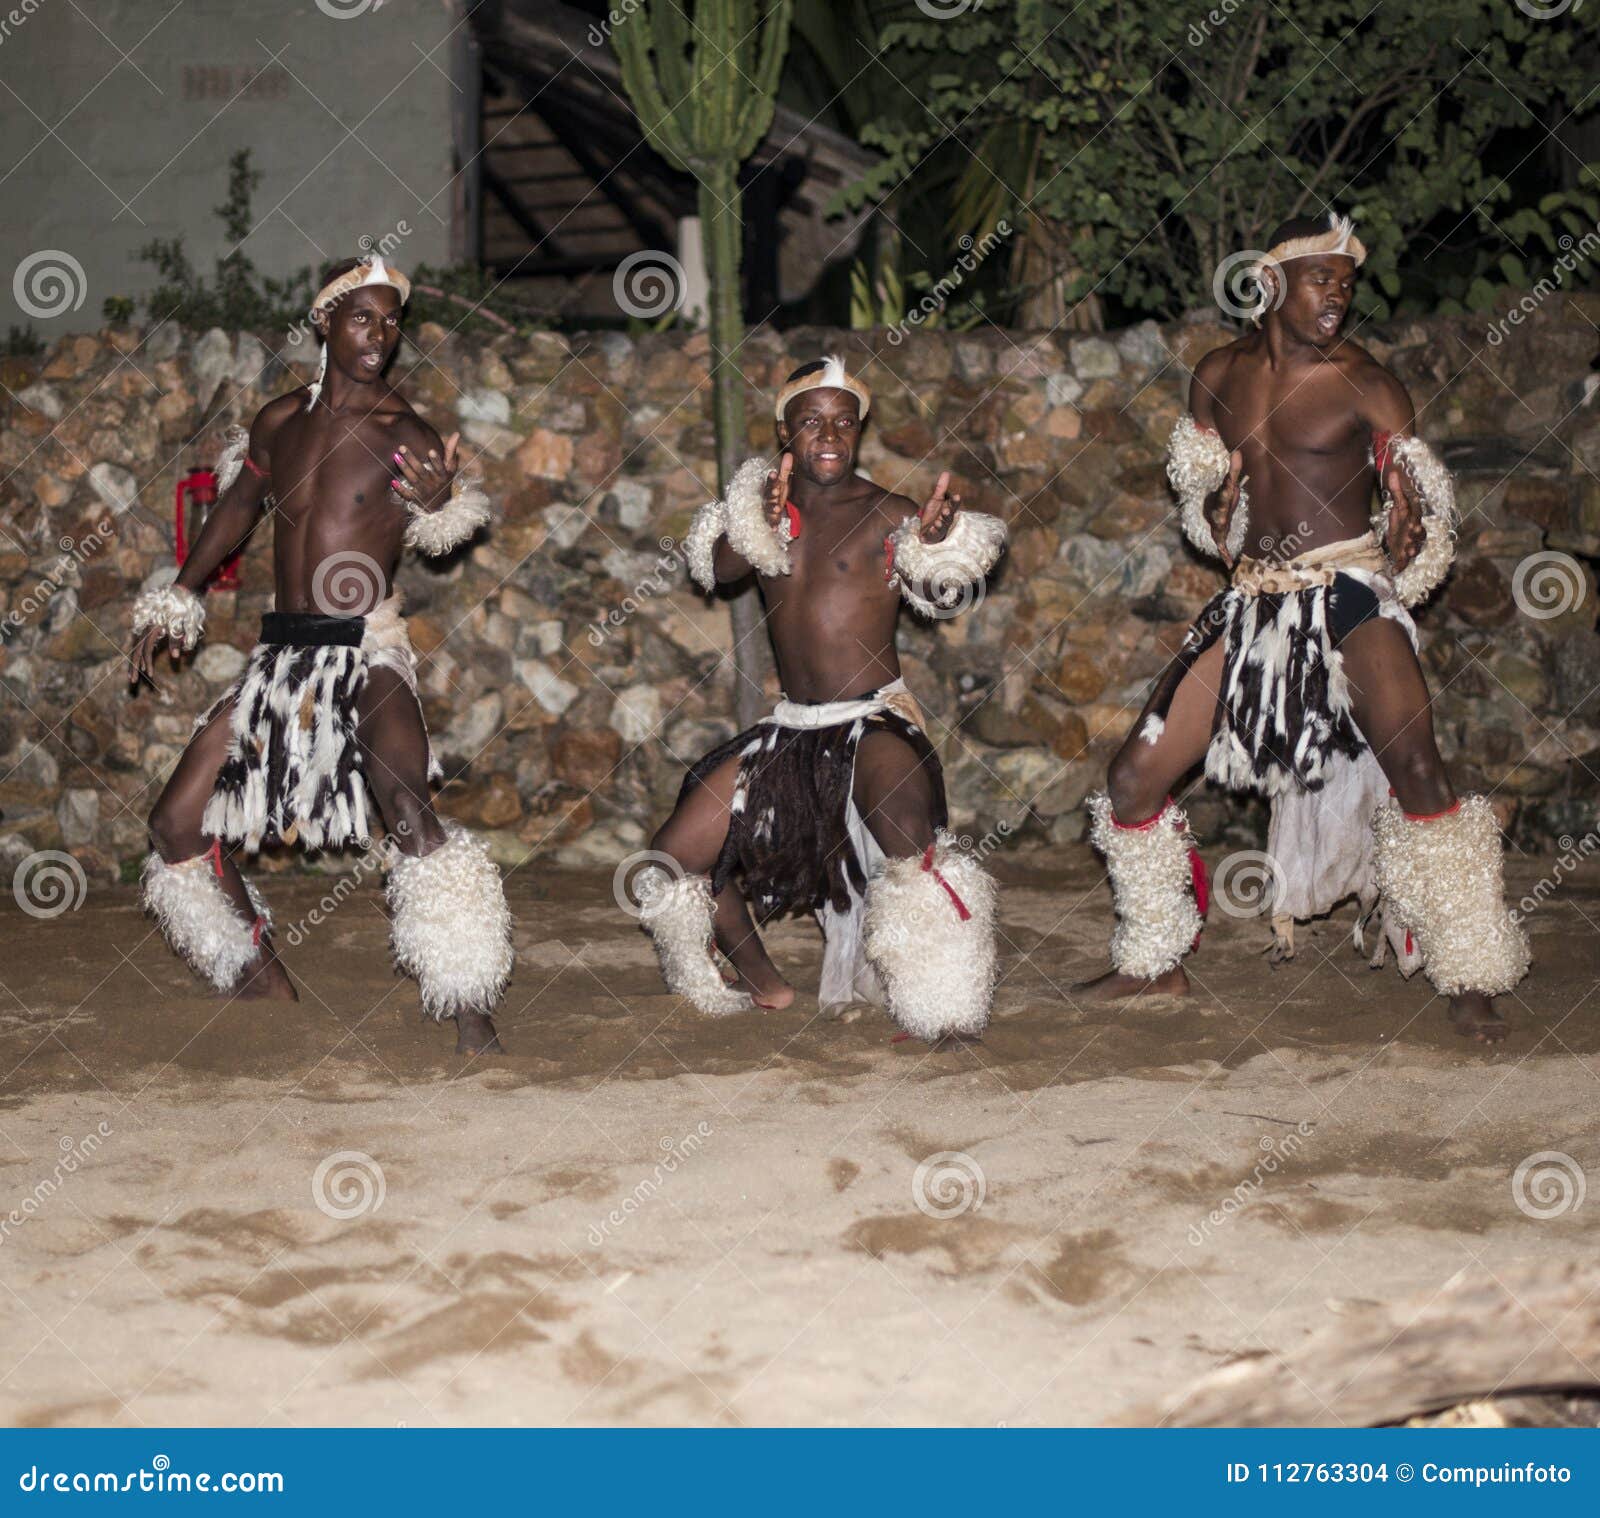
point(1139, 827)
point(1449, 811)
point(961, 907)
point(1380, 449)
point(255, 932)
point(214, 854)
point(254, 468)
point(1201, 881)
point(888, 557)
point(792, 513)
point(1411, 948)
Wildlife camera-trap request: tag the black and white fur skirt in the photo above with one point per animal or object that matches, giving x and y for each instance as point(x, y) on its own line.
point(294, 771)
point(790, 838)
point(1283, 715)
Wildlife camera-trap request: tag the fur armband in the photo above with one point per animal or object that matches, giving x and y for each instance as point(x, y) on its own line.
point(742, 518)
point(235, 449)
point(1197, 464)
point(436, 532)
point(1437, 491)
point(179, 613)
point(700, 543)
point(950, 568)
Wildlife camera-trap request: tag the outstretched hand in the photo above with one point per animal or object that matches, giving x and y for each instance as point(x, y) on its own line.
point(426, 485)
point(1406, 531)
point(1219, 511)
point(934, 520)
point(141, 656)
point(776, 491)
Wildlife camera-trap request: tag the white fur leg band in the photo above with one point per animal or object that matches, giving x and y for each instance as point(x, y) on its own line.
point(677, 914)
point(1153, 883)
point(951, 571)
point(434, 533)
point(203, 927)
point(450, 925)
point(929, 934)
point(1442, 879)
point(1437, 491)
point(179, 613)
point(1197, 464)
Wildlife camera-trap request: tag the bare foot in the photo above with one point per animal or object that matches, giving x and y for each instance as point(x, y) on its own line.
point(1473, 1016)
point(267, 980)
point(766, 989)
point(475, 1034)
point(1115, 987)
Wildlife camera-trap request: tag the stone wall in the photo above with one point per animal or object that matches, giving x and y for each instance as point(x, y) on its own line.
point(568, 674)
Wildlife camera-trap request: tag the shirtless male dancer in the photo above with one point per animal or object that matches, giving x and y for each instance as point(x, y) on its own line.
point(327, 705)
point(835, 802)
point(1302, 676)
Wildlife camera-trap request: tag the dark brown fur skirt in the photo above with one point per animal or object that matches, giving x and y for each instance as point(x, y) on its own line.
point(789, 839)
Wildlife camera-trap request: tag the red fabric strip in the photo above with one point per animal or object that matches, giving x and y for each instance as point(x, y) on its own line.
point(214, 854)
point(1139, 827)
point(1449, 811)
point(1380, 449)
point(961, 906)
point(792, 513)
point(254, 468)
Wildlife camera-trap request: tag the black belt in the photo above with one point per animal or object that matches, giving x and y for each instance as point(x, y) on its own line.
point(309, 629)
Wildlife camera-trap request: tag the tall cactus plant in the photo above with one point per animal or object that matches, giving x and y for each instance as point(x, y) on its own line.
point(703, 79)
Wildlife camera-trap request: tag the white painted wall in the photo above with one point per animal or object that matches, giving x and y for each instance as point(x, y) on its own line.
point(117, 119)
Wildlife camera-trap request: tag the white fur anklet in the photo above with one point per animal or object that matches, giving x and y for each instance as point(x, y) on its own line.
point(195, 916)
point(179, 613)
point(1442, 878)
point(677, 914)
point(1153, 886)
point(450, 924)
point(929, 933)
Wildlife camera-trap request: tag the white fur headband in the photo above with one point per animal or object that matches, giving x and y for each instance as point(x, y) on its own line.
point(1340, 238)
point(830, 376)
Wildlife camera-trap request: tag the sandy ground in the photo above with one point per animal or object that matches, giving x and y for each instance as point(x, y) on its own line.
point(644, 1216)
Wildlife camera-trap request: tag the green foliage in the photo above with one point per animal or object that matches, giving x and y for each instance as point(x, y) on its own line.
point(1136, 147)
point(238, 298)
point(22, 342)
point(117, 310)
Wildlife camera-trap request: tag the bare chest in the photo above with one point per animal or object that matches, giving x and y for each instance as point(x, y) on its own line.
point(330, 468)
point(1312, 413)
